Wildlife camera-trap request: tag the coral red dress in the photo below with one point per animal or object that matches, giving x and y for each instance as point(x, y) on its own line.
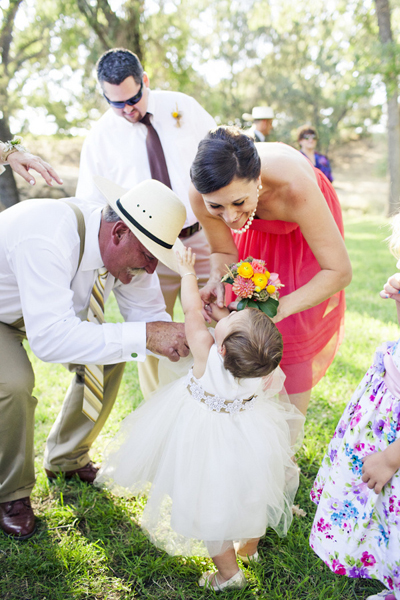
point(310, 338)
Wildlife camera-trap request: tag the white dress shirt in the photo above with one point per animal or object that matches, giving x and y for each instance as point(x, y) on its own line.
point(39, 280)
point(116, 148)
point(259, 137)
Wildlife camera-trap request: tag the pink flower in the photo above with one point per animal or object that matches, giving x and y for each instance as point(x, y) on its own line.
point(258, 266)
point(338, 568)
point(367, 559)
point(274, 279)
point(243, 287)
point(355, 420)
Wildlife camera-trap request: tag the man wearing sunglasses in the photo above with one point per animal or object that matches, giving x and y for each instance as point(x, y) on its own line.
point(116, 147)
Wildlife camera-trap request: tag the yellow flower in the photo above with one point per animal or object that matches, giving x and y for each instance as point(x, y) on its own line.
point(267, 274)
point(245, 270)
point(271, 289)
point(175, 114)
point(260, 281)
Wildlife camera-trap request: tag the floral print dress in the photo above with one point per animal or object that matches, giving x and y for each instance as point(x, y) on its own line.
point(356, 532)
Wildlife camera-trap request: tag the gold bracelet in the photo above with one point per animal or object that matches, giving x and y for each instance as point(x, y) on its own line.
point(189, 274)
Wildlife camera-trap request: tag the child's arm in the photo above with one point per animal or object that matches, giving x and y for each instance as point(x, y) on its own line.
point(199, 338)
point(379, 467)
point(216, 312)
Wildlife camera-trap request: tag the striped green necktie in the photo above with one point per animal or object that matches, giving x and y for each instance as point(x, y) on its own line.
point(94, 374)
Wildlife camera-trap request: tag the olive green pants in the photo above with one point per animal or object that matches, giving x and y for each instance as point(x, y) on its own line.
point(72, 434)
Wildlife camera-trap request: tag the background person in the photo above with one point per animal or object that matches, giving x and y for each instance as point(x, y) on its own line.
point(307, 139)
point(267, 201)
point(13, 153)
point(50, 263)
point(118, 144)
point(262, 117)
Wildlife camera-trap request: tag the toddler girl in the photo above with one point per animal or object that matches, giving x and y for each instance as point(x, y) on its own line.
point(356, 530)
point(213, 450)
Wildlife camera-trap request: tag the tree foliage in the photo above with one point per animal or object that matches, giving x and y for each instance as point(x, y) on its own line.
point(313, 62)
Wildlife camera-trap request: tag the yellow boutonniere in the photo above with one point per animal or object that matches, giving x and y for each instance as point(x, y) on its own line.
point(177, 116)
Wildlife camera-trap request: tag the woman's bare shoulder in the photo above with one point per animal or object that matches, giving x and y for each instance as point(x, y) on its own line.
point(283, 164)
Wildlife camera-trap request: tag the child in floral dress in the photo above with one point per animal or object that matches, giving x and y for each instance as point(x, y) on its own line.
point(356, 529)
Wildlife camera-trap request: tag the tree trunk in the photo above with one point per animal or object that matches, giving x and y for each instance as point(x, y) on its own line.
point(9, 194)
point(386, 38)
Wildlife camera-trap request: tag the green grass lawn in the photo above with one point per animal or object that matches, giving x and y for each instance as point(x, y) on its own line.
point(89, 545)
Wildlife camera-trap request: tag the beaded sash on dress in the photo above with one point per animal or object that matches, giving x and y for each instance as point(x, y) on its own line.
point(216, 403)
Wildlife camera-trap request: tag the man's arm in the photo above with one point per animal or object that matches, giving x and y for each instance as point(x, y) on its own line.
point(142, 299)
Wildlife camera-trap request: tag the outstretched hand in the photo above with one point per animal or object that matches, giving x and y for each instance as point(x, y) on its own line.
point(21, 162)
point(186, 260)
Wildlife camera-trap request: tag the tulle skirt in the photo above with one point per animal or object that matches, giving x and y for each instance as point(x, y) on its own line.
point(211, 478)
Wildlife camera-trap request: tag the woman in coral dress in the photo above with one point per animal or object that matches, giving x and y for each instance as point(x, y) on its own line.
point(267, 201)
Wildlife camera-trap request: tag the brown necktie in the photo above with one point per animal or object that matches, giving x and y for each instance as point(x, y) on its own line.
point(155, 153)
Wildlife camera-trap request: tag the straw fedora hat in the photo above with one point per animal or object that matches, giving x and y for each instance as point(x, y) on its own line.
point(259, 112)
point(153, 212)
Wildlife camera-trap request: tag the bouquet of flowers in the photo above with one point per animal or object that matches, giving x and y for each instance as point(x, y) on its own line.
point(254, 285)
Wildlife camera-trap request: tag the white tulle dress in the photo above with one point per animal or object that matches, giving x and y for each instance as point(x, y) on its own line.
point(213, 455)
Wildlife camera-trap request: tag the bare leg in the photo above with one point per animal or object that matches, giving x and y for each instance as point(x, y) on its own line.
point(301, 401)
point(226, 565)
point(249, 548)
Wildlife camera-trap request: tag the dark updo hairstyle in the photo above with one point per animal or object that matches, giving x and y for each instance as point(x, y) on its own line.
point(225, 153)
point(115, 65)
point(254, 350)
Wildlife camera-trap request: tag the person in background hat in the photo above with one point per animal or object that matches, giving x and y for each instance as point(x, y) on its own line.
point(50, 256)
point(307, 139)
point(117, 145)
point(262, 117)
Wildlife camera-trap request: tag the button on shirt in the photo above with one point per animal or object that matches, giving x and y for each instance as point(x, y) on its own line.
point(116, 149)
point(39, 253)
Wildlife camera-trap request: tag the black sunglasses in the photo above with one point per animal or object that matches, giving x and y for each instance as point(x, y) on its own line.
point(131, 102)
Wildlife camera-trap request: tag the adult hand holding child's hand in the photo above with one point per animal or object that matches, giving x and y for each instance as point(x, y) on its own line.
point(167, 339)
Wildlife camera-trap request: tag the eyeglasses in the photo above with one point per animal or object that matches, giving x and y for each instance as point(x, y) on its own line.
point(309, 136)
point(131, 101)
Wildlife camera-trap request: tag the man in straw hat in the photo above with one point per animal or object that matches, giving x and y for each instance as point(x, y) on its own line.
point(262, 117)
point(53, 254)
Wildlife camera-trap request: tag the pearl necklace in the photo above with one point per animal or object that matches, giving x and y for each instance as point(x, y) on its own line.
point(248, 223)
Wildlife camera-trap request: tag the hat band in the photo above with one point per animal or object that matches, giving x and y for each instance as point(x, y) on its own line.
point(142, 229)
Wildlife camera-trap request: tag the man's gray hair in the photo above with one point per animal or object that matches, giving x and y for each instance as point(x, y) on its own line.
point(110, 216)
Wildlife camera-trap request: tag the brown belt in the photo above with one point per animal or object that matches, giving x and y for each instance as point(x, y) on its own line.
point(188, 231)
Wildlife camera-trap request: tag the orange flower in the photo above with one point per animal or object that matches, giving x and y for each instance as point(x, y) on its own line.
point(260, 281)
point(242, 287)
point(245, 270)
point(271, 289)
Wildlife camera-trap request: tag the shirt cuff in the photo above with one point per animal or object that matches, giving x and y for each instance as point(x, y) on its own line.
point(134, 341)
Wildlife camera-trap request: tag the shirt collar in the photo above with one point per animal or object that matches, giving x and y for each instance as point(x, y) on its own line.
point(260, 135)
point(151, 103)
point(91, 259)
